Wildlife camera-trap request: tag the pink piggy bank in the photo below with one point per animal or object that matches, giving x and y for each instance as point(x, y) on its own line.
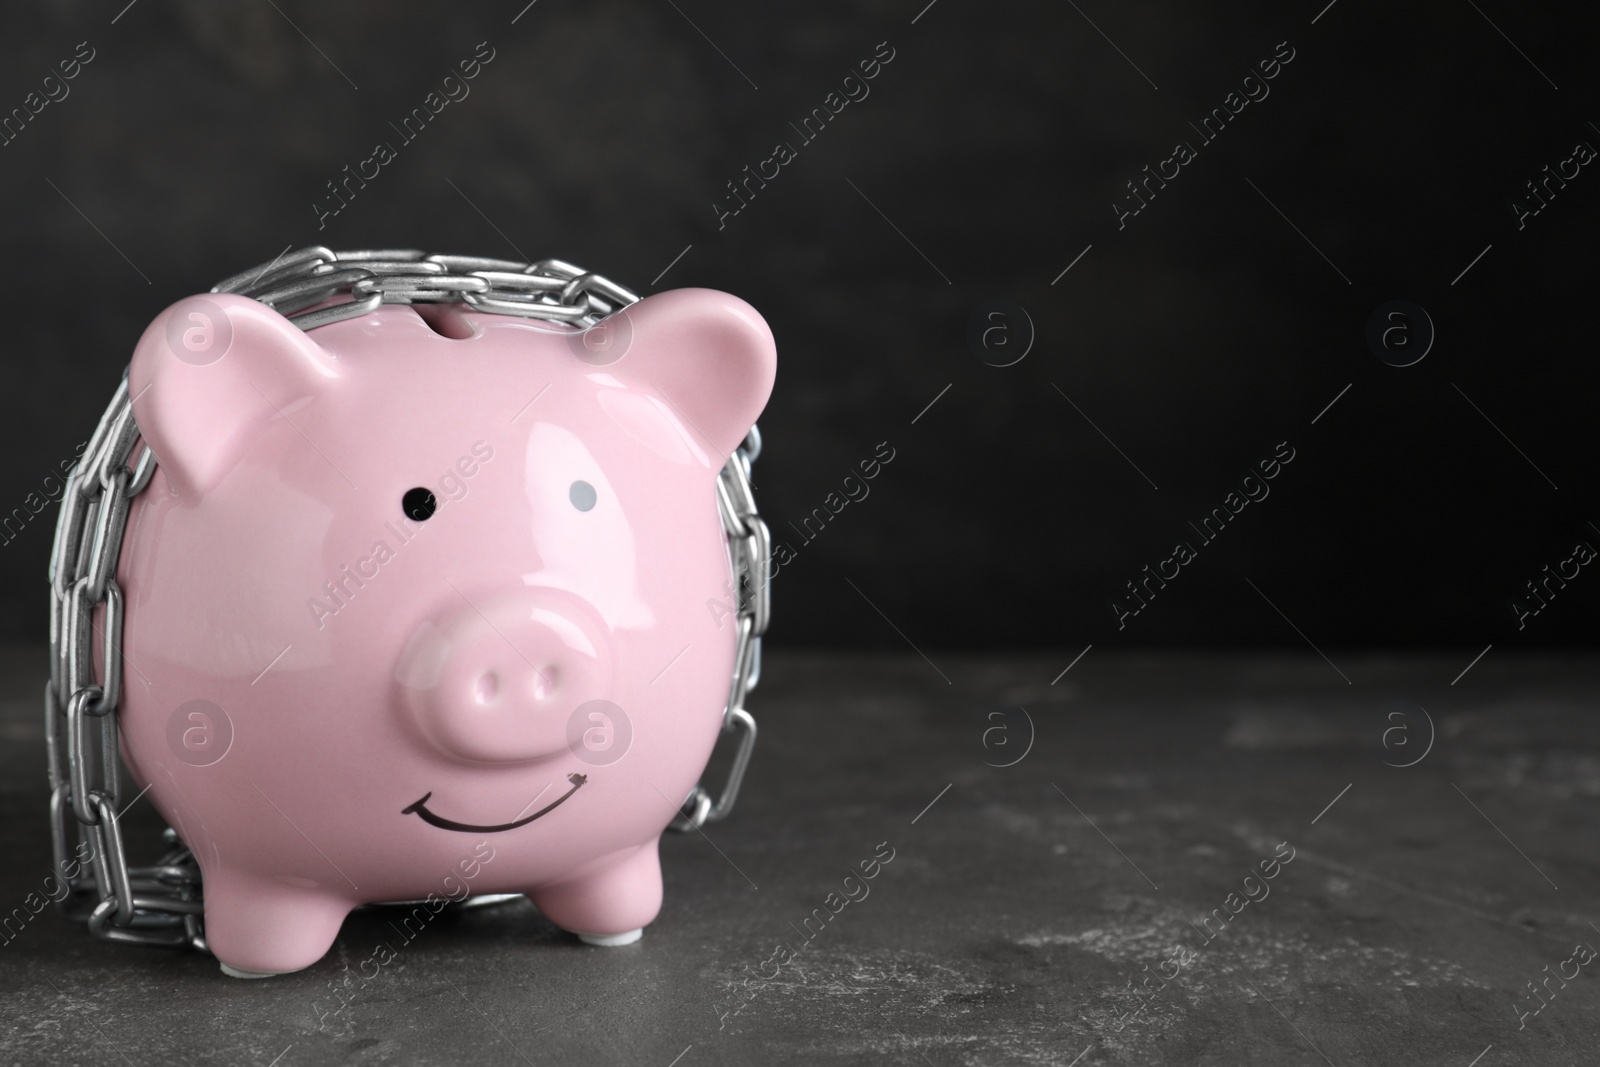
point(418, 609)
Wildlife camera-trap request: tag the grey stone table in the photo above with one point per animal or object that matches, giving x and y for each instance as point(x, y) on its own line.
point(1092, 903)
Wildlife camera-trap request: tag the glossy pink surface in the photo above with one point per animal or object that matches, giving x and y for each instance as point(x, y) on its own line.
point(352, 661)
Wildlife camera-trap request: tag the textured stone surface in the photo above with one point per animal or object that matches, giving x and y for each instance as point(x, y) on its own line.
point(1007, 928)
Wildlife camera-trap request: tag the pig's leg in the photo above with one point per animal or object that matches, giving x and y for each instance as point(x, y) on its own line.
point(257, 928)
point(610, 906)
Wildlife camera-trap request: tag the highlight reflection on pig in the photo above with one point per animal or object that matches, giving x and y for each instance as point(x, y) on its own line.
point(401, 557)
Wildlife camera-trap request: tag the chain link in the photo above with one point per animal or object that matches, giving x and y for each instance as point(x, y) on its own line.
point(750, 550)
point(161, 904)
point(153, 905)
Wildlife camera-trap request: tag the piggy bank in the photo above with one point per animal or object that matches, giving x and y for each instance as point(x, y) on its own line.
point(418, 608)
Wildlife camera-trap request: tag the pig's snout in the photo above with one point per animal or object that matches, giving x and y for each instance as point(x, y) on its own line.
point(497, 680)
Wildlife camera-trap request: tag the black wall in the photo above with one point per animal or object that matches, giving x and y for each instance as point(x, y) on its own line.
point(1178, 352)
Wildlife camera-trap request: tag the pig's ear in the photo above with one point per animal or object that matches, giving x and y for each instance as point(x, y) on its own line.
point(208, 374)
point(709, 355)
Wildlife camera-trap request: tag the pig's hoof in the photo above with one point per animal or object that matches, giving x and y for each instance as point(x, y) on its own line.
point(611, 940)
point(624, 895)
point(235, 972)
point(257, 929)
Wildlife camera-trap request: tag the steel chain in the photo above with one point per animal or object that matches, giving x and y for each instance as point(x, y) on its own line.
point(161, 904)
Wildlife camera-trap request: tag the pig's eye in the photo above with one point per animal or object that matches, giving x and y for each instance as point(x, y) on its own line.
point(582, 495)
point(419, 504)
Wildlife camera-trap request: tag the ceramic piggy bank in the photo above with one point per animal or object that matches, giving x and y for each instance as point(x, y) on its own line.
point(422, 605)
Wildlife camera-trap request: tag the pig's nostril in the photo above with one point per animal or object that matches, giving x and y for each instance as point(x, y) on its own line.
point(544, 682)
point(487, 687)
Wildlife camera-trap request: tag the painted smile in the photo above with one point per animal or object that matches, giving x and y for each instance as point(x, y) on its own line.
point(420, 808)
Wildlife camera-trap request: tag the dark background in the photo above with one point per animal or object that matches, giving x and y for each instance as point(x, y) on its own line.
point(1195, 339)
